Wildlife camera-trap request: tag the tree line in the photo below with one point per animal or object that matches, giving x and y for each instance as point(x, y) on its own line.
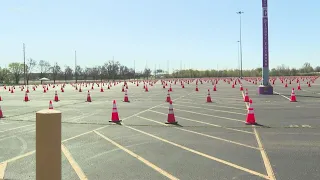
point(112, 70)
point(282, 70)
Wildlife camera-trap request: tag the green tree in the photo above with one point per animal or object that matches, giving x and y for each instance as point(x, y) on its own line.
point(5, 75)
point(16, 69)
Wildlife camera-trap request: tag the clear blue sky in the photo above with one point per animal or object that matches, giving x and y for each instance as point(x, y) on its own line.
point(200, 33)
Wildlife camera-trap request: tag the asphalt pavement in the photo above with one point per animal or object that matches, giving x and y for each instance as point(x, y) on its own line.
point(210, 141)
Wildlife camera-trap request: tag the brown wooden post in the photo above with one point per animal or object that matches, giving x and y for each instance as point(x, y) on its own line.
point(48, 145)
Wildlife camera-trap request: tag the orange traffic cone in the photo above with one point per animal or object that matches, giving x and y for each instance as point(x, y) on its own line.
point(146, 89)
point(56, 98)
point(209, 97)
point(115, 115)
point(299, 87)
point(197, 89)
point(214, 87)
point(88, 97)
point(126, 98)
point(171, 119)
point(101, 89)
point(241, 88)
point(50, 105)
point(246, 96)
point(122, 90)
point(26, 98)
point(293, 96)
point(168, 97)
point(250, 120)
point(1, 98)
point(1, 114)
point(170, 89)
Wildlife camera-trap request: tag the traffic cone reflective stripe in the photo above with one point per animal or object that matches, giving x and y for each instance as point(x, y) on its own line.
point(246, 96)
point(56, 98)
point(26, 98)
point(88, 97)
point(250, 120)
point(209, 97)
point(50, 105)
point(115, 115)
point(168, 97)
point(171, 118)
point(126, 98)
point(293, 96)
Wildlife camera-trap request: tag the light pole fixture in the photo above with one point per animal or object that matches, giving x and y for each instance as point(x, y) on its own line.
point(240, 12)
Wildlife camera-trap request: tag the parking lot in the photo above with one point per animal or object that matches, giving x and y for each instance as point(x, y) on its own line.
point(211, 140)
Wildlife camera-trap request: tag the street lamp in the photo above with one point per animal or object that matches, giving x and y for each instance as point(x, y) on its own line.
point(240, 12)
point(239, 59)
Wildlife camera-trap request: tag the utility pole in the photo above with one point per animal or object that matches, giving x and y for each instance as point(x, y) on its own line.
point(134, 69)
point(240, 12)
point(168, 66)
point(155, 71)
point(239, 59)
point(75, 66)
point(24, 64)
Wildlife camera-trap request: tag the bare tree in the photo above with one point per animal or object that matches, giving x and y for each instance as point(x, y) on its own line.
point(147, 73)
point(94, 73)
point(31, 64)
point(78, 72)
point(55, 70)
point(67, 73)
point(44, 67)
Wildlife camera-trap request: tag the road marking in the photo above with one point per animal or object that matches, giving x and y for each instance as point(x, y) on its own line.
point(16, 128)
point(231, 119)
point(148, 163)
point(213, 97)
point(202, 134)
point(207, 104)
point(32, 152)
point(221, 139)
point(153, 120)
point(264, 155)
point(73, 163)
point(74, 137)
point(282, 95)
point(115, 149)
point(306, 126)
point(17, 134)
point(230, 112)
point(215, 125)
point(201, 154)
point(3, 167)
point(265, 158)
point(294, 126)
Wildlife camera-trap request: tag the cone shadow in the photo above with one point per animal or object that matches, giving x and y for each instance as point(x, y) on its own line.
point(175, 124)
point(259, 125)
point(118, 122)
